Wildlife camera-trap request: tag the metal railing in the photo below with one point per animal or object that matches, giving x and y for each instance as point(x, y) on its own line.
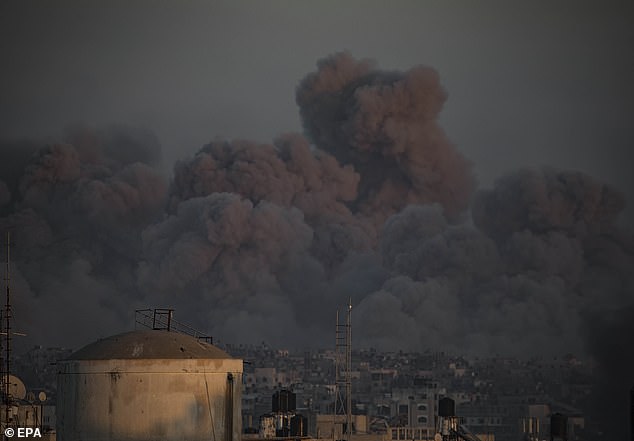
point(163, 319)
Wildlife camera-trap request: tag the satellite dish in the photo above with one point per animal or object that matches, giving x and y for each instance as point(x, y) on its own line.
point(41, 396)
point(16, 388)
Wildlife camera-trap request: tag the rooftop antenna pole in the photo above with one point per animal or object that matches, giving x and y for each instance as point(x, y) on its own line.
point(7, 316)
point(343, 375)
point(349, 371)
point(335, 409)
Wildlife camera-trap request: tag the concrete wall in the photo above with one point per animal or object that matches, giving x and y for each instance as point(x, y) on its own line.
point(153, 400)
point(324, 425)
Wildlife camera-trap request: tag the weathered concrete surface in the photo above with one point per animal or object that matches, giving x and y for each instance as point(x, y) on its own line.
point(154, 399)
point(148, 344)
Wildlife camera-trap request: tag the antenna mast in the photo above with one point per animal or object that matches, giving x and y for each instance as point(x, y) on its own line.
point(7, 335)
point(343, 376)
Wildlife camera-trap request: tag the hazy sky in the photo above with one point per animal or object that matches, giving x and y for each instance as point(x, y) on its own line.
point(529, 83)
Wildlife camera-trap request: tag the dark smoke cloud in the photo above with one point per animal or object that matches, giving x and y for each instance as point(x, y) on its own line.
point(463, 292)
point(385, 123)
point(409, 314)
point(552, 254)
point(192, 243)
point(76, 219)
point(546, 253)
point(286, 173)
point(227, 259)
point(547, 200)
point(393, 153)
point(420, 242)
point(255, 241)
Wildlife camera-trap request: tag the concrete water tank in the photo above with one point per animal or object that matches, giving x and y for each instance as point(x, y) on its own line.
point(149, 385)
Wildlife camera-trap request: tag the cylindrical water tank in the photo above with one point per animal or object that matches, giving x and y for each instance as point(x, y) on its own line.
point(299, 425)
point(283, 401)
point(282, 424)
point(149, 385)
point(558, 426)
point(267, 426)
point(446, 407)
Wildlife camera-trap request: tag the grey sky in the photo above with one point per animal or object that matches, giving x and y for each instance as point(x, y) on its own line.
point(530, 83)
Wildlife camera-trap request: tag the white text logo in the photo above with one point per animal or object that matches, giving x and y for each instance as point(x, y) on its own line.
point(22, 432)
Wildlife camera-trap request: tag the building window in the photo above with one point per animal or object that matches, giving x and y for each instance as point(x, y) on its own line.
point(422, 420)
point(422, 407)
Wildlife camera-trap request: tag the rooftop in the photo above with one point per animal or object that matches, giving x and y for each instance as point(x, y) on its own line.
point(149, 344)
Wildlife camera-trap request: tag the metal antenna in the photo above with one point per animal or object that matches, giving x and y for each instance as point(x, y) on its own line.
point(7, 316)
point(349, 371)
point(7, 333)
point(343, 376)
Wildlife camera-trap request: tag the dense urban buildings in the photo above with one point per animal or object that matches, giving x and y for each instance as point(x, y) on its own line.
point(395, 395)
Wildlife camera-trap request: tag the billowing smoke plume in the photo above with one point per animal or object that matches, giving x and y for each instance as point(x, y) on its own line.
point(547, 200)
point(288, 174)
point(76, 217)
point(226, 252)
point(257, 242)
point(545, 255)
point(385, 124)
